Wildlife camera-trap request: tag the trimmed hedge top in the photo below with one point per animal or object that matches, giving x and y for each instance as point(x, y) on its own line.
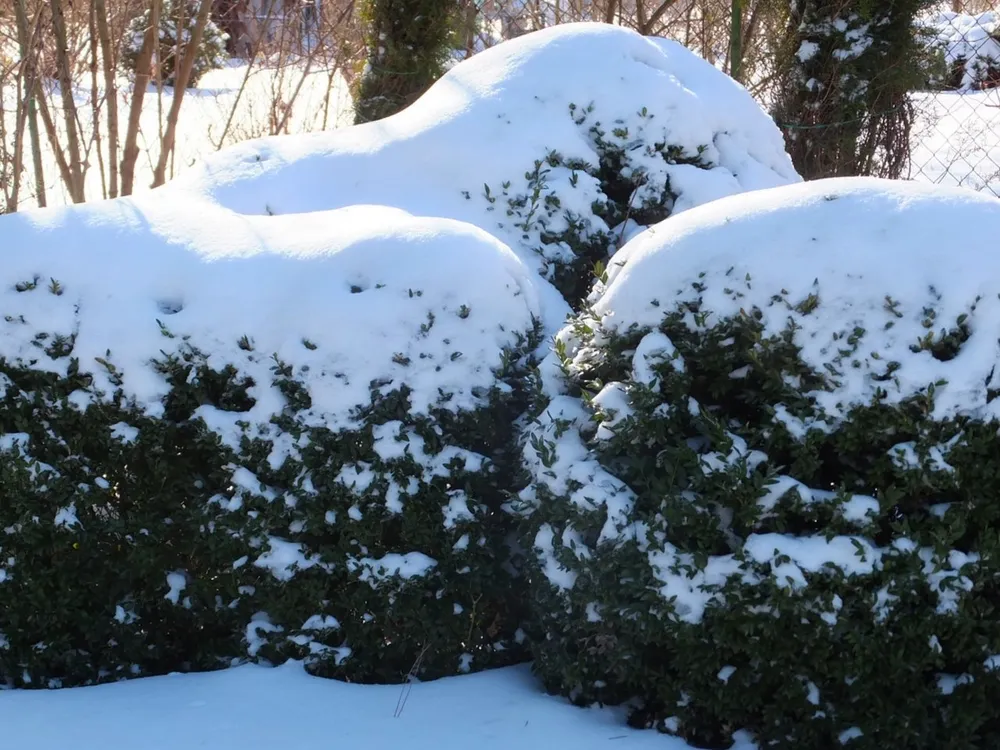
point(902, 273)
point(438, 302)
point(561, 143)
point(764, 481)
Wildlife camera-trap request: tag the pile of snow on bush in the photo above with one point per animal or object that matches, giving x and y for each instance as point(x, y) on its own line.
point(764, 482)
point(562, 143)
point(226, 436)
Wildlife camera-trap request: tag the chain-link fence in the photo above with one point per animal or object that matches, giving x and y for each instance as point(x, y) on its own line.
point(956, 133)
point(957, 136)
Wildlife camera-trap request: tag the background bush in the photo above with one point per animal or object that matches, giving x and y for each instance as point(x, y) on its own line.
point(764, 503)
point(211, 52)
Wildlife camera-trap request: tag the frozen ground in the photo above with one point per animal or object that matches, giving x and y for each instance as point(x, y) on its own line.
point(255, 708)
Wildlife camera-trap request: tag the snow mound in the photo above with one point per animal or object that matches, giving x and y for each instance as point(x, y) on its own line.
point(970, 46)
point(559, 98)
point(343, 298)
point(899, 266)
point(254, 708)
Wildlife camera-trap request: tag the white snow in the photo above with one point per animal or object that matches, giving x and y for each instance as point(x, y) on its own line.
point(850, 555)
point(377, 569)
point(137, 276)
point(855, 243)
point(256, 708)
point(176, 583)
point(956, 139)
point(284, 559)
point(488, 120)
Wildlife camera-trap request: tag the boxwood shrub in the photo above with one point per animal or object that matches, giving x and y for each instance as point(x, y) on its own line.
point(290, 452)
point(765, 475)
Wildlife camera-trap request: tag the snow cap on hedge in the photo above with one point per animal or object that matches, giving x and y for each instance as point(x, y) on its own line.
point(343, 298)
point(464, 147)
point(289, 430)
point(898, 260)
point(764, 482)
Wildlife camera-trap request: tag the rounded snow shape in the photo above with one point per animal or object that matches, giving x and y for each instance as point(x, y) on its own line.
point(765, 482)
point(226, 437)
point(562, 143)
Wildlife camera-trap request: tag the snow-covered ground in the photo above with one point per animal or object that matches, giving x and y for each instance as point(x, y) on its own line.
point(255, 708)
point(957, 140)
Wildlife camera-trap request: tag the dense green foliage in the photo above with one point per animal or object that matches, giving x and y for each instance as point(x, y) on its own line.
point(409, 43)
point(574, 214)
point(713, 544)
point(134, 542)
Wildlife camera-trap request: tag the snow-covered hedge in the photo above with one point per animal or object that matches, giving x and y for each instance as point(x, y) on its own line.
point(562, 143)
point(224, 436)
point(970, 46)
point(765, 478)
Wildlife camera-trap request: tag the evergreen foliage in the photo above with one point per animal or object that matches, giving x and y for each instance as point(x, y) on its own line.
point(845, 102)
point(409, 44)
point(575, 214)
point(724, 541)
point(138, 541)
point(173, 16)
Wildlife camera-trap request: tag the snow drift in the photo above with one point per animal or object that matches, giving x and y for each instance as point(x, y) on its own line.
point(569, 98)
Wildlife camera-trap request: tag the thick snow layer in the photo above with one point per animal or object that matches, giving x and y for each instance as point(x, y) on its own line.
point(488, 120)
point(893, 260)
point(342, 297)
point(255, 708)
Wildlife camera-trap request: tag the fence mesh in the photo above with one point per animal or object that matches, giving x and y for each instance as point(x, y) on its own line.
point(956, 138)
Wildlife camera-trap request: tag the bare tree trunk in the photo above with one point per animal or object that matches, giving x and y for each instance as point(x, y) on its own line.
point(25, 40)
point(181, 76)
point(65, 171)
point(95, 102)
point(12, 187)
point(111, 89)
point(609, 12)
point(75, 186)
point(130, 149)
